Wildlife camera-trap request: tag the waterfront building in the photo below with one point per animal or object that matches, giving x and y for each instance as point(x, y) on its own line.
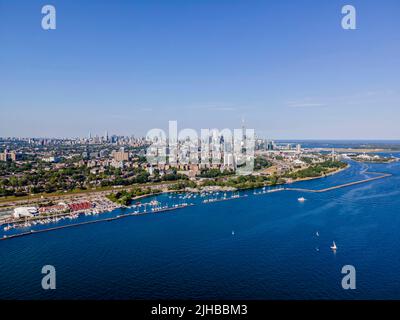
point(85, 205)
point(54, 208)
point(22, 212)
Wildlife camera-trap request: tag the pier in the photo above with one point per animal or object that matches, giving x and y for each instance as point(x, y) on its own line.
point(345, 185)
point(224, 199)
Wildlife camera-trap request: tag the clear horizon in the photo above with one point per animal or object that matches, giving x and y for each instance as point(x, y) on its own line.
point(274, 139)
point(287, 68)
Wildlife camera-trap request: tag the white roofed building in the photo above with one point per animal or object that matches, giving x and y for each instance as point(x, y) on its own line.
point(22, 212)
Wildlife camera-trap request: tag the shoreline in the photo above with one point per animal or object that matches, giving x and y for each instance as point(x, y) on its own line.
point(103, 193)
point(320, 177)
point(210, 201)
point(214, 189)
point(7, 203)
point(377, 162)
point(223, 189)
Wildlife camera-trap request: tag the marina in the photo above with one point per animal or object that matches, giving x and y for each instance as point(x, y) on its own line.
point(155, 206)
point(151, 207)
point(31, 232)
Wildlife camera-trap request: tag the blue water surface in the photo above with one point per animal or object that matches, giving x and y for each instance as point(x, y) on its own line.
point(256, 247)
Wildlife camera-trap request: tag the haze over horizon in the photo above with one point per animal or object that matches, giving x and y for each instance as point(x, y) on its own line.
point(287, 68)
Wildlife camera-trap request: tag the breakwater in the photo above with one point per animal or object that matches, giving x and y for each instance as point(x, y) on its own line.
point(344, 185)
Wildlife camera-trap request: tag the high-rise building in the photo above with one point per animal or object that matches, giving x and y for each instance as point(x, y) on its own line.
point(270, 145)
point(121, 155)
point(243, 130)
point(8, 156)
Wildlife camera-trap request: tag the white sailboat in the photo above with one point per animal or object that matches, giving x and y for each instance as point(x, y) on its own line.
point(334, 247)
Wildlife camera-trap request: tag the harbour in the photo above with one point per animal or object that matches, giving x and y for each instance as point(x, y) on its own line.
point(211, 197)
point(32, 232)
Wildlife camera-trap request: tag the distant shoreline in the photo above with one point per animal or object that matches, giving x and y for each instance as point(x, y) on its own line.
point(221, 189)
point(356, 150)
point(377, 161)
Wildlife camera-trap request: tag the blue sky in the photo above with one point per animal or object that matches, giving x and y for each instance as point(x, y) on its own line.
point(286, 67)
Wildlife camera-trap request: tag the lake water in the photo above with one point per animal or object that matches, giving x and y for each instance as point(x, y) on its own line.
point(193, 253)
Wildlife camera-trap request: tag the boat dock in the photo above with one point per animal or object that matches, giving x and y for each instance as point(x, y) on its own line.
point(223, 199)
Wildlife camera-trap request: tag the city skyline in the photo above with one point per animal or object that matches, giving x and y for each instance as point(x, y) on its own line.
point(288, 68)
